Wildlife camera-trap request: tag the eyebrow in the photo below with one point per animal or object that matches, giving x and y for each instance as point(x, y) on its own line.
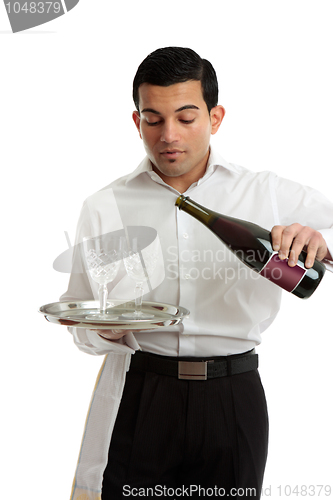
point(187, 106)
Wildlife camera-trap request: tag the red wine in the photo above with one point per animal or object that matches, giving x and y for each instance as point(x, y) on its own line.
point(252, 244)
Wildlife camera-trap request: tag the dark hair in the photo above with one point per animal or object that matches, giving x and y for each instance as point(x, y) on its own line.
point(171, 65)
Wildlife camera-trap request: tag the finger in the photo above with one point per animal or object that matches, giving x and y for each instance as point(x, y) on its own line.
point(311, 255)
point(316, 248)
point(288, 235)
point(276, 234)
point(301, 239)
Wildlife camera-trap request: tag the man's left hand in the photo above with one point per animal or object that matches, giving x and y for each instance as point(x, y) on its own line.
point(289, 241)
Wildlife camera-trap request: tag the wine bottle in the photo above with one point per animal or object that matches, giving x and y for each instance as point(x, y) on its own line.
point(253, 246)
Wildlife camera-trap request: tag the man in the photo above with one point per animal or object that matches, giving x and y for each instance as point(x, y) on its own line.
point(171, 435)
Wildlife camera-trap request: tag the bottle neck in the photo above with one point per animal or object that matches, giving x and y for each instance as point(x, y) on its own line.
point(187, 205)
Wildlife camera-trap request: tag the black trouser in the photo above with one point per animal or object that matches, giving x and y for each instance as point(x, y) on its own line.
point(188, 438)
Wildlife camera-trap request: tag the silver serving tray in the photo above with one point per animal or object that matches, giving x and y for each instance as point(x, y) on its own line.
point(74, 314)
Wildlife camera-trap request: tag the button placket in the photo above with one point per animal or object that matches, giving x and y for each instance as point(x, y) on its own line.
point(185, 259)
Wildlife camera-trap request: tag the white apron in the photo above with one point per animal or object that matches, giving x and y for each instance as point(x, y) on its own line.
point(102, 413)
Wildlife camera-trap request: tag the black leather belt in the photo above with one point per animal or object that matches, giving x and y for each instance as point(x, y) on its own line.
point(195, 368)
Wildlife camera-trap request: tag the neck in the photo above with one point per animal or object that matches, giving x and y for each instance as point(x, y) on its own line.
point(182, 182)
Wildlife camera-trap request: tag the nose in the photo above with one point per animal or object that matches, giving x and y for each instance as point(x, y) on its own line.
point(170, 132)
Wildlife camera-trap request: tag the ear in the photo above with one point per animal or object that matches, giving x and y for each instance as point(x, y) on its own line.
point(216, 116)
point(137, 120)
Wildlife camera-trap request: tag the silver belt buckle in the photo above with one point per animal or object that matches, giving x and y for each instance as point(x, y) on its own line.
point(192, 370)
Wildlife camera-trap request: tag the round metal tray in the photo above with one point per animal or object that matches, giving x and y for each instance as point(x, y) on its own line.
point(74, 314)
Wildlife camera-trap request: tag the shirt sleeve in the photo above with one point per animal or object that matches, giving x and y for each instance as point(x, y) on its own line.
point(90, 342)
point(327, 234)
point(307, 206)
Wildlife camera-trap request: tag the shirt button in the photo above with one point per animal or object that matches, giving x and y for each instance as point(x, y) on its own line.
point(187, 276)
point(185, 236)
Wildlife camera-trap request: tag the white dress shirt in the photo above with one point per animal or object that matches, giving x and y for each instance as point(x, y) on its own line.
point(230, 305)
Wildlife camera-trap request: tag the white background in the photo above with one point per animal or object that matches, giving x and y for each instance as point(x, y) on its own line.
point(66, 131)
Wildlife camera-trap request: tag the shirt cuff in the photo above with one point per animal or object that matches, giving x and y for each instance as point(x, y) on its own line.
point(327, 234)
point(90, 342)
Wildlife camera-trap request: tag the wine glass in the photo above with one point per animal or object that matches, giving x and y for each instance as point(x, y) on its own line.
point(140, 270)
point(103, 257)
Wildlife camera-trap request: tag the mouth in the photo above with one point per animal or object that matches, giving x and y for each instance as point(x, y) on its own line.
point(171, 154)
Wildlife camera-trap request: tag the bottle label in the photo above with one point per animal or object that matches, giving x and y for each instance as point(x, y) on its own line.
point(278, 271)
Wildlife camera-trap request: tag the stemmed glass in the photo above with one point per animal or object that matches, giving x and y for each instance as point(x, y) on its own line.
point(140, 270)
point(103, 257)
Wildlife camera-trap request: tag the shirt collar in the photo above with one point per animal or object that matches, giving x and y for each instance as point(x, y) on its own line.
point(215, 160)
point(145, 166)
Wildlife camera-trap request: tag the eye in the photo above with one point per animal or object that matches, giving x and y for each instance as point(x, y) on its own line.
point(153, 121)
point(187, 122)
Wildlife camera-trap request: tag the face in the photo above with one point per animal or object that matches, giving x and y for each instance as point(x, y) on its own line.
point(175, 127)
